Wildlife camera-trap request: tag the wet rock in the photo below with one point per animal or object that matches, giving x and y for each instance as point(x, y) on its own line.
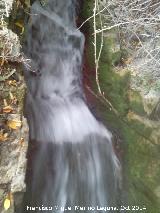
point(13, 163)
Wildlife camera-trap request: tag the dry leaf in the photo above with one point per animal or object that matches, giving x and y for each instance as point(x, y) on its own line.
point(7, 109)
point(7, 204)
point(20, 25)
point(2, 62)
point(12, 82)
point(14, 124)
point(3, 137)
point(8, 201)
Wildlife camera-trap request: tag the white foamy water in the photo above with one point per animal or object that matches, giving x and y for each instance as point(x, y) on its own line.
point(71, 161)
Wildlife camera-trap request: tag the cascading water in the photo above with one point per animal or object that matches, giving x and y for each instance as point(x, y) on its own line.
point(73, 166)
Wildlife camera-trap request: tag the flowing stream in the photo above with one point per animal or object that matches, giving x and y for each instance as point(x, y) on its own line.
point(72, 166)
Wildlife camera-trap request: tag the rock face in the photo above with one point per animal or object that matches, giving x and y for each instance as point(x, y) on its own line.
point(13, 165)
point(5, 7)
point(13, 144)
point(9, 39)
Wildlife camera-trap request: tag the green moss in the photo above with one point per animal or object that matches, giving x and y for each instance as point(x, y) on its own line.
point(115, 87)
point(87, 10)
point(140, 158)
point(112, 84)
point(116, 58)
point(138, 168)
point(119, 57)
point(136, 102)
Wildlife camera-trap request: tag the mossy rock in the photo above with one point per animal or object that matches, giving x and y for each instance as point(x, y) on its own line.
point(140, 161)
point(136, 102)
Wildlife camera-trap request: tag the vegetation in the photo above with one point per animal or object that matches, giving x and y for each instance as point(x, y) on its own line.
point(113, 26)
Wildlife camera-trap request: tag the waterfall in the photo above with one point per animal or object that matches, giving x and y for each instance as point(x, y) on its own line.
point(72, 166)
